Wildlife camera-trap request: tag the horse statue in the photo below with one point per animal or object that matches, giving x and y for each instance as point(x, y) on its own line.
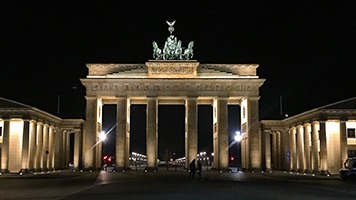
point(188, 52)
point(157, 52)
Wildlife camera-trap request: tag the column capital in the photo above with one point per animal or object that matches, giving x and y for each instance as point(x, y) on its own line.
point(299, 126)
point(306, 124)
point(314, 122)
point(91, 97)
point(256, 98)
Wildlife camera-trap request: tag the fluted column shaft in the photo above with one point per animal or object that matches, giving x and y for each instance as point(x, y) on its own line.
point(5, 147)
point(152, 132)
point(32, 146)
point(300, 148)
point(89, 138)
point(293, 149)
point(307, 147)
point(222, 130)
point(25, 146)
point(121, 146)
point(323, 148)
point(191, 138)
point(39, 151)
point(343, 143)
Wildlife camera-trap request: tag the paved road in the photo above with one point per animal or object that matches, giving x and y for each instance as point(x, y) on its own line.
point(174, 185)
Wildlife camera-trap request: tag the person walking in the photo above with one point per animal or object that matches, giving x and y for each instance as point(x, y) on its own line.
point(199, 169)
point(192, 169)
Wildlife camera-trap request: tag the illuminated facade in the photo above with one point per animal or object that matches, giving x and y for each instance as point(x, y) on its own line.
point(33, 140)
point(174, 82)
point(316, 141)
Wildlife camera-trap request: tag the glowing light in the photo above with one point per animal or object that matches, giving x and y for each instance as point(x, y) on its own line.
point(102, 136)
point(238, 136)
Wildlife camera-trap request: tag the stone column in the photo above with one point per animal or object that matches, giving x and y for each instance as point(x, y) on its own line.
point(5, 147)
point(323, 148)
point(222, 130)
point(32, 146)
point(267, 147)
point(77, 149)
point(58, 149)
point(191, 127)
point(51, 148)
point(39, 151)
point(254, 138)
point(285, 151)
point(343, 143)
point(274, 150)
point(121, 129)
point(45, 146)
point(279, 158)
point(25, 147)
point(307, 147)
point(64, 149)
point(91, 128)
point(315, 146)
point(67, 148)
point(215, 156)
point(293, 149)
point(152, 132)
point(300, 148)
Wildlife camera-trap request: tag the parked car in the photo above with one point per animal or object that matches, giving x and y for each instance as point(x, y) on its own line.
point(349, 170)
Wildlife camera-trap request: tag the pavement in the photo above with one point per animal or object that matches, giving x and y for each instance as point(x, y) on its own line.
point(173, 184)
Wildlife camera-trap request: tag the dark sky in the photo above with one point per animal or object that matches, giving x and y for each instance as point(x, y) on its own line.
point(305, 48)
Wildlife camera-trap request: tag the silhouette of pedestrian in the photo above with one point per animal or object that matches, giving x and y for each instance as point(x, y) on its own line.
point(199, 169)
point(192, 169)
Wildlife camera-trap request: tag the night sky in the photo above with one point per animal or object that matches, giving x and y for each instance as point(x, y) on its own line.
point(305, 50)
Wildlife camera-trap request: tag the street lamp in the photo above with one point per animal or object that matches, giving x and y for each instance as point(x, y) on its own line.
point(238, 136)
point(102, 136)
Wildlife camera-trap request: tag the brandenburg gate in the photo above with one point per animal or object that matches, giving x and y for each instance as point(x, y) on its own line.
point(173, 78)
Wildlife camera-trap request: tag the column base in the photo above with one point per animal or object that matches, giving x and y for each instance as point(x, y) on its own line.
point(324, 172)
point(24, 171)
point(151, 169)
point(220, 169)
point(5, 171)
point(122, 169)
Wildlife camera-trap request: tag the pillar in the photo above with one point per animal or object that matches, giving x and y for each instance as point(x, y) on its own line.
point(51, 148)
point(45, 146)
point(323, 148)
point(285, 152)
point(5, 147)
point(267, 147)
point(32, 145)
point(343, 143)
point(274, 151)
point(25, 147)
point(293, 149)
point(191, 127)
point(91, 128)
point(58, 149)
point(121, 161)
point(279, 156)
point(315, 146)
point(39, 150)
point(222, 134)
point(300, 148)
point(254, 138)
point(307, 147)
point(65, 159)
point(77, 149)
point(152, 132)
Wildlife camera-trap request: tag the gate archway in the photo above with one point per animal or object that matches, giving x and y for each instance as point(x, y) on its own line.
point(186, 83)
